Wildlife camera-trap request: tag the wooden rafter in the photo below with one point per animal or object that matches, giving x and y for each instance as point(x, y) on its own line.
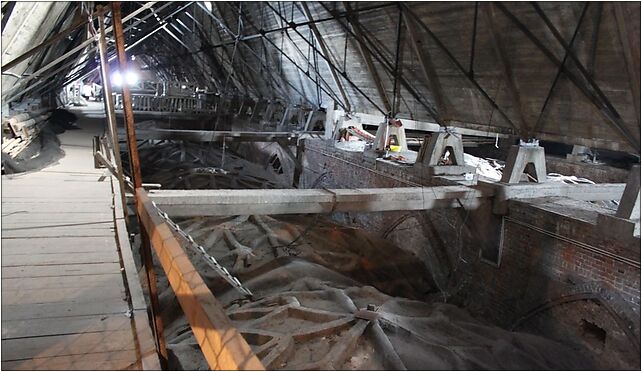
point(365, 54)
point(428, 69)
point(631, 52)
point(326, 55)
point(506, 68)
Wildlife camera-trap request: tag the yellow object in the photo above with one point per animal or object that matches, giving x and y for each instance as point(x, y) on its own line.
point(395, 148)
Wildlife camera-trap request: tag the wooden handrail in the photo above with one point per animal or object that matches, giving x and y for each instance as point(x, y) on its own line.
point(222, 345)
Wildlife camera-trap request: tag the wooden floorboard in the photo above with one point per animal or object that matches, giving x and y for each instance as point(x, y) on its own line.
point(66, 325)
point(70, 281)
point(63, 309)
point(65, 289)
point(43, 296)
point(53, 232)
point(118, 360)
point(63, 245)
point(60, 258)
point(59, 270)
point(74, 344)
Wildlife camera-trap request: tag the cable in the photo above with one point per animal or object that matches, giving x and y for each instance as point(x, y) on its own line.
point(588, 247)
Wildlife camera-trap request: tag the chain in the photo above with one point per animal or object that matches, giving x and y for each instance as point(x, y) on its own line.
point(211, 261)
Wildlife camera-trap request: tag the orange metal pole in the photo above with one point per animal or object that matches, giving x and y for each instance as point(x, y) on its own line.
point(145, 248)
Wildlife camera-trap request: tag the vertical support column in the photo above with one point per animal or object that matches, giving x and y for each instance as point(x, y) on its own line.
point(625, 224)
point(308, 121)
point(329, 122)
point(269, 110)
point(284, 119)
point(629, 207)
point(138, 183)
point(298, 165)
point(110, 112)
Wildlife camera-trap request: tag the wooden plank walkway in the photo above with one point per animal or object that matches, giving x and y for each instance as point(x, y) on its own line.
point(71, 297)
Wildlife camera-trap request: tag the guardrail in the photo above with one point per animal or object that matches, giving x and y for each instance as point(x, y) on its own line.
point(222, 345)
point(150, 102)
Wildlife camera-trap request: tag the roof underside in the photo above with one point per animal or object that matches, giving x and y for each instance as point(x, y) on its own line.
point(561, 71)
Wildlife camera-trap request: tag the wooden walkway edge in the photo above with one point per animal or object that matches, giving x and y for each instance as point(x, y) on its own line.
point(71, 297)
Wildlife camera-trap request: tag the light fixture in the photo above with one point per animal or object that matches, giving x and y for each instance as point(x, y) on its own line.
point(116, 79)
point(130, 78)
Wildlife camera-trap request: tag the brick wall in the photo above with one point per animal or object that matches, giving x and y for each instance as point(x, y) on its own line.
point(582, 288)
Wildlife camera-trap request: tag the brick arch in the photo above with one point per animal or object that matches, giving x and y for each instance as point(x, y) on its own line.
point(614, 304)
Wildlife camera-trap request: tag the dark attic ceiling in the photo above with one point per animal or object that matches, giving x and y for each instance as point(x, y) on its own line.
point(559, 71)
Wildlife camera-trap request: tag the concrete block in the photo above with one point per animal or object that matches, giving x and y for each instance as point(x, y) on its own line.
point(519, 157)
point(578, 154)
point(433, 150)
point(385, 132)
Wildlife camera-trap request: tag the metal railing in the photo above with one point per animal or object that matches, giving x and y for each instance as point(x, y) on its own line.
point(222, 345)
point(151, 102)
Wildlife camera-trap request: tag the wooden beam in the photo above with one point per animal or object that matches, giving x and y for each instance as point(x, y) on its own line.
point(296, 160)
point(592, 53)
point(110, 112)
point(134, 162)
point(540, 122)
point(428, 70)
point(461, 68)
point(507, 71)
point(49, 41)
point(356, 27)
point(39, 74)
point(631, 51)
point(595, 94)
point(326, 55)
point(222, 345)
point(186, 203)
point(218, 136)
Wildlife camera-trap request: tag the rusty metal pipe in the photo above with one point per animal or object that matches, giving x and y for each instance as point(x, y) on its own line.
point(145, 248)
point(109, 108)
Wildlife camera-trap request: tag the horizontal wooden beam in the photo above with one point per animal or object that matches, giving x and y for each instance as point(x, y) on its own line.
point(186, 203)
point(222, 345)
point(218, 136)
point(190, 203)
point(587, 192)
point(409, 124)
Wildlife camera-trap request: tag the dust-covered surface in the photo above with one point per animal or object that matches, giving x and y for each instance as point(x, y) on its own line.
point(40, 153)
point(331, 297)
point(44, 149)
point(313, 282)
point(188, 165)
